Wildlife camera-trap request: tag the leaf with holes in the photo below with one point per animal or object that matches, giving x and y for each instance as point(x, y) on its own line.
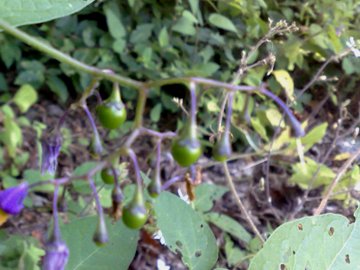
point(185, 231)
point(206, 195)
point(326, 242)
point(20, 12)
point(84, 254)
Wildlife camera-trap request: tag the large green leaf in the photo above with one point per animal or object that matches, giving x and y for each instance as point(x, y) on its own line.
point(84, 254)
point(326, 242)
point(206, 195)
point(185, 231)
point(20, 12)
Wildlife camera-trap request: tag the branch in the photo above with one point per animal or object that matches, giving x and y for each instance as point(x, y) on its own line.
point(335, 181)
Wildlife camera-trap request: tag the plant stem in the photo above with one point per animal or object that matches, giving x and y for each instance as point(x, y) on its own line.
point(55, 214)
point(239, 202)
point(140, 107)
point(135, 163)
point(335, 181)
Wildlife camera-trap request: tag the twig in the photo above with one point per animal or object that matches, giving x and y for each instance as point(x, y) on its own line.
point(333, 184)
point(240, 204)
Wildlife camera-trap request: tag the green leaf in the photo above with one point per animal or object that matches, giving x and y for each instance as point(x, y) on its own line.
point(285, 80)
point(113, 19)
point(186, 232)
point(20, 12)
point(57, 86)
point(83, 186)
point(20, 252)
point(233, 254)
point(303, 174)
point(314, 136)
point(84, 254)
point(142, 33)
point(25, 97)
point(163, 37)
point(259, 128)
point(11, 136)
point(229, 225)
point(156, 113)
point(222, 22)
point(326, 242)
point(185, 26)
point(206, 194)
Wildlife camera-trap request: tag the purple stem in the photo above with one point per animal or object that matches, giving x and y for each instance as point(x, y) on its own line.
point(57, 236)
point(229, 113)
point(158, 158)
point(299, 132)
point(160, 135)
point(96, 196)
point(91, 119)
point(62, 120)
point(170, 182)
point(136, 167)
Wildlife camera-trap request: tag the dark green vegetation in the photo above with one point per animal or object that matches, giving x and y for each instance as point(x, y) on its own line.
point(150, 40)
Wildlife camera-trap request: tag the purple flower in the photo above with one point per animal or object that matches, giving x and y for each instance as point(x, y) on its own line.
point(12, 199)
point(51, 145)
point(56, 257)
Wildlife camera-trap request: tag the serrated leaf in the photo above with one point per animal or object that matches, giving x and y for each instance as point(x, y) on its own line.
point(222, 22)
point(25, 97)
point(84, 254)
point(326, 242)
point(186, 232)
point(285, 80)
point(206, 195)
point(229, 225)
point(20, 12)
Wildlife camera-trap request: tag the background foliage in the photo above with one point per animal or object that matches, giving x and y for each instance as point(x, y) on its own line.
point(148, 40)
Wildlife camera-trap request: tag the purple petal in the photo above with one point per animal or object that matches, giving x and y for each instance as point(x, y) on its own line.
point(12, 199)
point(56, 257)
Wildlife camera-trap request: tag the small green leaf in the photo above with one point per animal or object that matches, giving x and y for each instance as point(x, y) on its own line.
point(304, 173)
point(285, 80)
point(58, 87)
point(259, 128)
point(233, 254)
point(206, 195)
point(222, 22)
point(229, 225)
point(186, 232)
point(184, 26)
point(314, 136)
point(156, 113)
point(25, 97)
point(113, 19)
point(163, 37)
point(11, 136)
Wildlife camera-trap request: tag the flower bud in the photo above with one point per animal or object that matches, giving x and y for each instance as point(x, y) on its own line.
point(51, 145)
point(56, 257)
point(12, 199)
point(101, 236)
